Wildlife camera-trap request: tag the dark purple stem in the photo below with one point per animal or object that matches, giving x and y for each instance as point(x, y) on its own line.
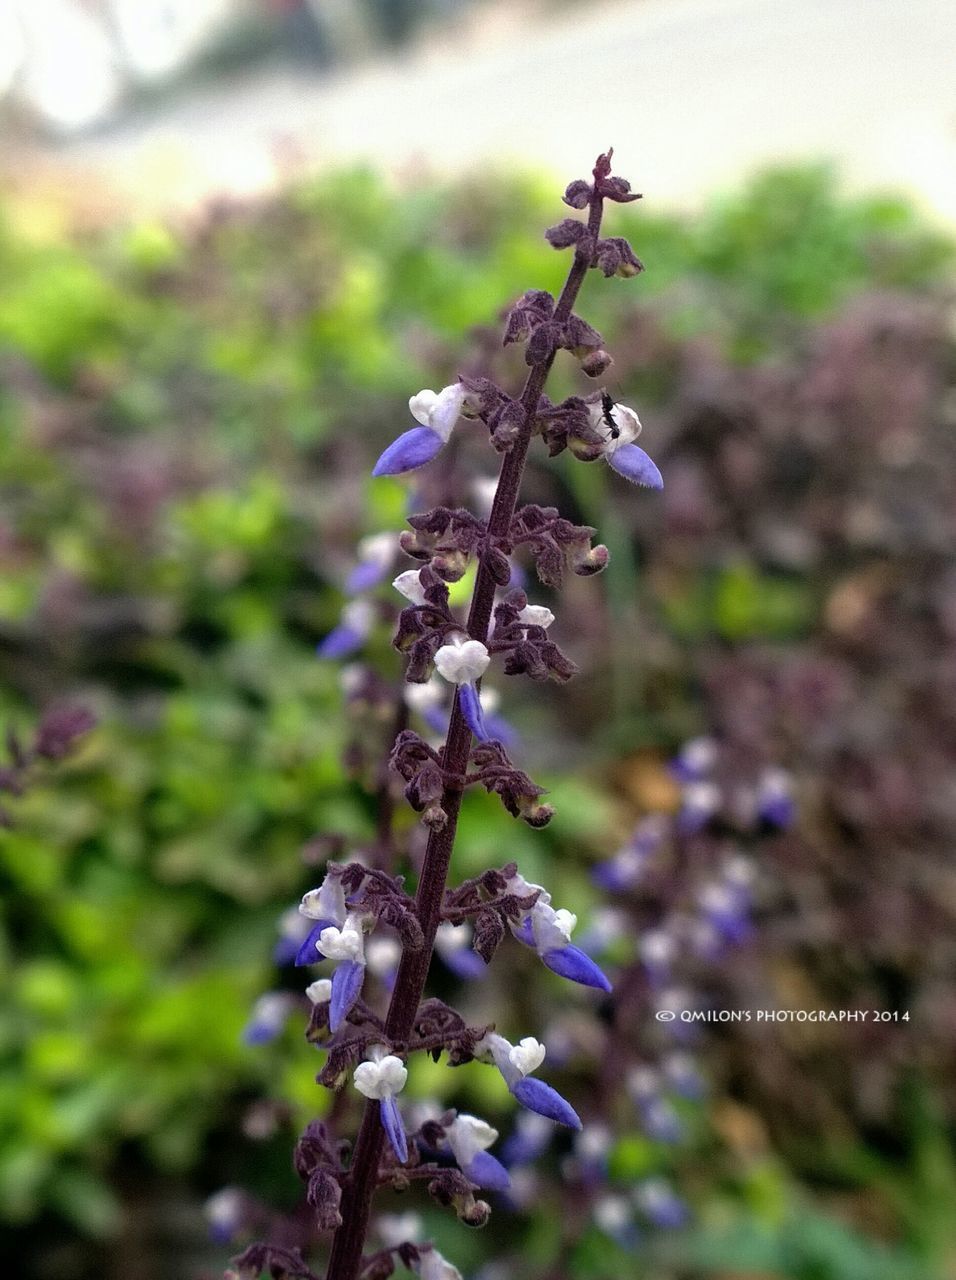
point(360, 1182)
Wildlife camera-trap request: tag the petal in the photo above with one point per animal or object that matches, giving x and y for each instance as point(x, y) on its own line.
point(631, 462)
point(392, 1124)
point(408, 452)
point(309, 952)
point(340, 642)
point(538, 1096)
point(346, 988)
point(364, 576)
point(524, 932)
point(471, 710)
point(465, 963)
point(571, 962)
point(487, 1172)
point(421, 405)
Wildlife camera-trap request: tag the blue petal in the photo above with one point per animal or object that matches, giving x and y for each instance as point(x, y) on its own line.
point(392, 1124)
point(487, 1172)
point(779, 811)
point(571, 962)
point(525, 932)
point(437, 719)
point(465, 963)
point(340, 642)
point(260, 1033)
point(538, 1096)
point(346, 988)
point(501, 731)
point(471, 710)
point(364, 576)
point(634, 464)
point(408, 452)
point(308, 952)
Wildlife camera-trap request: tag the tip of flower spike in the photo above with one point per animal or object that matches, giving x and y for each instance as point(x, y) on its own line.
point(631, 462)
point(410, 451)
point(572, 963)
point(538, 1096)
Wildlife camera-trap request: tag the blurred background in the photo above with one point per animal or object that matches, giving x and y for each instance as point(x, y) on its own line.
point(235, 236)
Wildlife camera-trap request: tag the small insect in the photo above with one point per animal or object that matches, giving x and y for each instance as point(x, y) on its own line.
point(607, 406)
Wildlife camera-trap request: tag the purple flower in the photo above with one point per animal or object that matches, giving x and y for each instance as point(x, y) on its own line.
point(775, 803)
point(268, 1017)
point(438, 413)
point(531, 1136)
point(375, 556)
point(699, 802)
point(695, 760)
point(549, 932)
point(469, 1139)
point(659, 1203)
point(453, 944)
point(620, 453)
point(516, 1062)
point(225, 1212)
point(351, 632)
point(380, 1078)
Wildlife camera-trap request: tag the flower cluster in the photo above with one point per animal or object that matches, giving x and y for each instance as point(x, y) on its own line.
point(360, 910)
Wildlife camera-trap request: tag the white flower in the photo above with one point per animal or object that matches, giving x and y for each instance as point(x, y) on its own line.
point(409, 585)
point(423, 697)
point(439, 411)
point(467, 1135)
point(395, 1228)
point(536, 615)
point(224, 1209)
point(327, 902)
point(320, 991)
point(527, 1055)
point(462, 661)
point(346, 943)
point(699, 755)
point(378, 549)
point(625, 419)
point(552, 929)
point(701, 797)
point(382, 954)
point(452, 937)
point(612, 1214)
point(432, 1266)
point(382, 1076)
point(658, 947)
point(358, 615)
point(351, 678)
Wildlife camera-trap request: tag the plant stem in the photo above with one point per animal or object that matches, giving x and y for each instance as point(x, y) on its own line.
point(359, 1184)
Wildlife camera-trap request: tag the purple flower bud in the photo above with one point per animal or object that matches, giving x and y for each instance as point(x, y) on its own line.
point(347, 983)
point(774, 802)
point(538, 1096)
point(394, 1129)
point(411, 450)
point(631, 462)
point(572, 963)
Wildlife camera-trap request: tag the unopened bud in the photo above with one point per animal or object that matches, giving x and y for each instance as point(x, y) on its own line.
point(596, 362)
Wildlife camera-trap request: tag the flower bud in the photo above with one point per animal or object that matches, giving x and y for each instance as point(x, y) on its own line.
point(596, 362)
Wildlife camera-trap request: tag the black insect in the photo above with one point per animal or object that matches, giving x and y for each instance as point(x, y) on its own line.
point(607, 405)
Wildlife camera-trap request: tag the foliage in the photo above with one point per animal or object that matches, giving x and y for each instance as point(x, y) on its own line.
point(182, 421)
